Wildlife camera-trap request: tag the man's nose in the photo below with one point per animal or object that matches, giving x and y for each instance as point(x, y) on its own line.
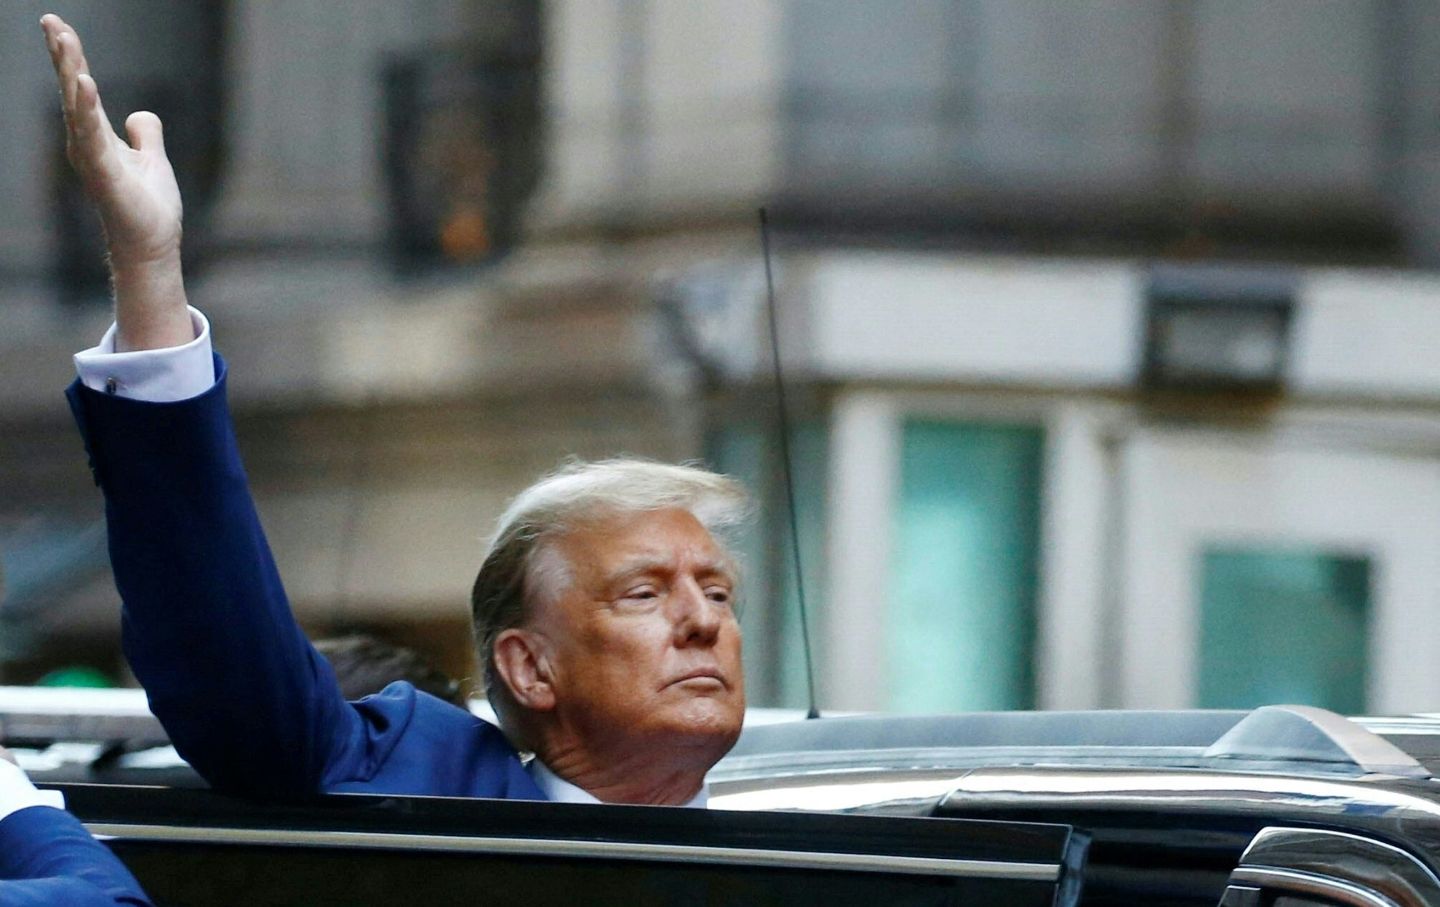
point(697, 619)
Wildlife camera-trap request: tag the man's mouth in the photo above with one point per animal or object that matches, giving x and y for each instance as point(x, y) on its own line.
point(701, 677)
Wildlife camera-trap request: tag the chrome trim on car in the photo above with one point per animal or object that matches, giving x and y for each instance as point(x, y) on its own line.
point(1385, 868)
point(835, 792)
point(1177, 790)
point(1306, 883)
point(952, 759)
point(1423, 725)
point(1068, 786)
point(613, 850)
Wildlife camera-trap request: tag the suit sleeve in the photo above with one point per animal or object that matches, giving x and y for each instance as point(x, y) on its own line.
point(205, 621)
point(48, 859)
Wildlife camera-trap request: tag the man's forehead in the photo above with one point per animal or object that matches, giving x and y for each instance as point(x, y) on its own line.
point(650, 537)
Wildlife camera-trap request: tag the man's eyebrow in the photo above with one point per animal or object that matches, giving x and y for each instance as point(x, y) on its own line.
point(634, 566)
point(645, 563)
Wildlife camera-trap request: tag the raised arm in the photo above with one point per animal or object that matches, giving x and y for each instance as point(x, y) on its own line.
point(205, 624)
point(134, 188)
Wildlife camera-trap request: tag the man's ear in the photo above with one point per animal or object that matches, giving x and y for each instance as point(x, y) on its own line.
point(521, 661)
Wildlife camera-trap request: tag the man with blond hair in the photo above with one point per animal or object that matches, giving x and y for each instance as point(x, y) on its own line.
point(604, 609)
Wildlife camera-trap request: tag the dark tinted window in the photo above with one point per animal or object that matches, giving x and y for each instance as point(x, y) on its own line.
point(197, 848)
point(199, 875)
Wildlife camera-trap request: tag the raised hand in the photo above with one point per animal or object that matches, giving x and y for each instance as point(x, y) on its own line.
point(133, 186)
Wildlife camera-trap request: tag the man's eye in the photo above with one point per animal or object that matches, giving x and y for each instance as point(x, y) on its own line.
point(718, 594)
point(641, 593)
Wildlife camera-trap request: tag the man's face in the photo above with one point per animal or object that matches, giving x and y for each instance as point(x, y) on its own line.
point(645, 647)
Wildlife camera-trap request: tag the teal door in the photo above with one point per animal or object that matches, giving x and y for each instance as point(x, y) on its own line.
point(961, 619)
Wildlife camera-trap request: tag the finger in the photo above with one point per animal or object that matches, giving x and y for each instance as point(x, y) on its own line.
point(70, 63)
point(145, 132)
point(62, 55)
point(89, 128)
point(51, 25)
point(87, 132)
point(54, 28)
point(67, 54)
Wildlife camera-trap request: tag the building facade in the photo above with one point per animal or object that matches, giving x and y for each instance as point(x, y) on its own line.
point(973, 205)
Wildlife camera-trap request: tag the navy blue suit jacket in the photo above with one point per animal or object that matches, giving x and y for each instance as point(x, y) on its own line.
point(48, 859)
point(208, 630)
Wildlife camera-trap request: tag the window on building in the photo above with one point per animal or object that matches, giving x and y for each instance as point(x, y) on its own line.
point(1157, 124)
point(1283, 626)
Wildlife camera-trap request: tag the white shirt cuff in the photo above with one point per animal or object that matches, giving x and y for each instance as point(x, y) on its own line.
point(154, 376)
point(17, 793)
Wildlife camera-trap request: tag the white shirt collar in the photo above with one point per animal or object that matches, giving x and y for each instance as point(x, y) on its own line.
point(558, 790)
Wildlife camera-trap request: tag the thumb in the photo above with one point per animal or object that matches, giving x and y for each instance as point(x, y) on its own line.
point(145, 132)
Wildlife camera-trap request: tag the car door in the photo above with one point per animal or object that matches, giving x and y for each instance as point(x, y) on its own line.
point(196, 848)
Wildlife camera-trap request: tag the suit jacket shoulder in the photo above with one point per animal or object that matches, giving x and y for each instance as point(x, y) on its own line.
point(48, 858)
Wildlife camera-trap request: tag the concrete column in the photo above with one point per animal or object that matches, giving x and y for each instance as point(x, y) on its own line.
point(1079, 517)
point(864, 474)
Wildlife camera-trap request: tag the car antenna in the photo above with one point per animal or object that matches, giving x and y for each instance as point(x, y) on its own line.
point(786, 465)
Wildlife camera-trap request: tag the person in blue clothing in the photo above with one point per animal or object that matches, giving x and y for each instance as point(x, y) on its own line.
point(47, 858)
point(603, 611)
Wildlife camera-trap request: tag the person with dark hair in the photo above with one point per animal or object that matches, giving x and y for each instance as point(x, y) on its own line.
point(47, 858)
point(365, 664)
point(603, 610)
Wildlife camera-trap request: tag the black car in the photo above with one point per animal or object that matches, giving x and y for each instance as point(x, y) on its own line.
point(1283, 805)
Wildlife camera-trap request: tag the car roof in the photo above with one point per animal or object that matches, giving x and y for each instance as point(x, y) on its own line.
point(1418, 735)
point(65, 730)
point(1286, 739)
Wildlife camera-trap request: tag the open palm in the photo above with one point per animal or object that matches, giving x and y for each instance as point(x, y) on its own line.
point(131, 183)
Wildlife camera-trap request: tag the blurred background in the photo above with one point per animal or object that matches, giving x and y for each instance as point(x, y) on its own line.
point(1110, 328)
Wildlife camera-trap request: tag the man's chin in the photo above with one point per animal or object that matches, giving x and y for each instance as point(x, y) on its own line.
point(706, 721)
